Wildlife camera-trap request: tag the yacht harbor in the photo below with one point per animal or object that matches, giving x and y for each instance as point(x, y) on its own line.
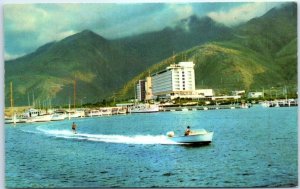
point(31, 115)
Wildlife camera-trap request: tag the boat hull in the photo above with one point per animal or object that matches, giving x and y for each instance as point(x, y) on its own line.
point(194, 139)
point(144, 111)
point(145, 108)
point(42, 118)
point(58, 117)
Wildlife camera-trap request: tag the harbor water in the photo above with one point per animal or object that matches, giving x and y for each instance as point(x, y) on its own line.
point(255, 147)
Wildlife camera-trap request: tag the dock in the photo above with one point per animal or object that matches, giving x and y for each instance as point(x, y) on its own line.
point(196, 108)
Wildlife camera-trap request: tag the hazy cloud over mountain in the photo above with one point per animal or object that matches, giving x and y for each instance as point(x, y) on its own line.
point(28, 26)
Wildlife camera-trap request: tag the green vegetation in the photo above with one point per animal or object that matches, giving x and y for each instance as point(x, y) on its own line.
point(261, 53)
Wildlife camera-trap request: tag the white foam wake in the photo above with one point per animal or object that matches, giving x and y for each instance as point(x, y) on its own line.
point(136, 139)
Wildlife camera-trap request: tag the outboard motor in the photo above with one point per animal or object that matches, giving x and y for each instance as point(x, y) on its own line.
point(170, 133)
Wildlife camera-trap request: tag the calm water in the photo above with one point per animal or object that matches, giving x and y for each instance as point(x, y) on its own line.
point(253, 147)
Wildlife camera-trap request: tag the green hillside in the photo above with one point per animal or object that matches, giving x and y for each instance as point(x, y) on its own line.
point(219, 66)
point(262, 54)
point(100, 66)
point(259, 53)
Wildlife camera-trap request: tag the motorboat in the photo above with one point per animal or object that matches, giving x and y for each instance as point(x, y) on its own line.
point(106, 111)
point(74, 114)
point(34, 115)
point(195, 137)
point(93, 113)
point(58, 117)
point(145, 108)
point(184, 109)
point(122, 111)
point(40, 118)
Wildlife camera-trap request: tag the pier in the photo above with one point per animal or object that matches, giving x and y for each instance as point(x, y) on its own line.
point(196, 108)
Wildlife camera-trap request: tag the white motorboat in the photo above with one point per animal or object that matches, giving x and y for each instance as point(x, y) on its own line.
point(122, 111)
point(40, 118)
point(184, 109)
point(33, 115)
point(145, 108)
point(58, 117)
point(93, 113)
point(74, 114)
point(106, 111)
point(195, 137)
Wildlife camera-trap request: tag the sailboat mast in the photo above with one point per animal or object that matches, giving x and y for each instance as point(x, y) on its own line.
point(134, 93)
point(74, 93)
point(33, 101)
point(11, 95)
point(28, 98)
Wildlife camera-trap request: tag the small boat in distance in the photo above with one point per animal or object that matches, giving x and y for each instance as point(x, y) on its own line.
point(58, 117)
point(93, 113)
point(195, 137)
point(34, 115)
point(144, 108)
point(106, 111)
point(13, 119)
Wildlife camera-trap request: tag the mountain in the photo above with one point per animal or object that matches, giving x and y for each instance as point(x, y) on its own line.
point(100, 67)
point(259, 53)
point(274, 35)
point(262, 54)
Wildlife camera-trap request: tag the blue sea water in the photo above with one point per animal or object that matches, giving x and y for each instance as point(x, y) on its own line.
point(256, 147)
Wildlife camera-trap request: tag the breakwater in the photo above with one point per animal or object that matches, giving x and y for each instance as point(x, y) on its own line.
point(196, 108)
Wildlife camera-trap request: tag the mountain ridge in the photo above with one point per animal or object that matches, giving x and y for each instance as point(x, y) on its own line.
point(103, 67)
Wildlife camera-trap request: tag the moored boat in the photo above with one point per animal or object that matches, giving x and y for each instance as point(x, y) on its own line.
point(195, 137)
point(13, 119)
point(58, 117)
point(145, 108)
point(34, 115)
point(93, 113)
point(122, 111)
point(106, 111)
point(40, 118)
point(74, 114)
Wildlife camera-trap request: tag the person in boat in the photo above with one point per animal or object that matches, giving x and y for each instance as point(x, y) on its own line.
point(187, 131)
point(74, 127)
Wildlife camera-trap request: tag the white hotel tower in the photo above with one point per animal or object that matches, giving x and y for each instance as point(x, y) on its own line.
point(177, 79)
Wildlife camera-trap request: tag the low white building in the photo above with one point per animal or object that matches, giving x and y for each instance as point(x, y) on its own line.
point(226, 97)
point(241, 92)
point(208, 93)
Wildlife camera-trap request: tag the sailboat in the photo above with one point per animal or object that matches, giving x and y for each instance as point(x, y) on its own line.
point(13, 119)
point(74, 113)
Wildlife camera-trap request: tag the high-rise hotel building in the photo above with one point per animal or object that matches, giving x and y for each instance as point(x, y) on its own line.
point(176, 79)
point(140, 90)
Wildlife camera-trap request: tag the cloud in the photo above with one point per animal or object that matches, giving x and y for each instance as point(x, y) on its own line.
point(22, 18)
point(141, 18)
point(29, 26)
point(242, 13)
point(8, 56)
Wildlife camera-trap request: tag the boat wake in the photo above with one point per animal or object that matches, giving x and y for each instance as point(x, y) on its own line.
point(135, 139)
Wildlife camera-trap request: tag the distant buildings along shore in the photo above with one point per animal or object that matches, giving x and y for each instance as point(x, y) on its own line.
point(176, 81)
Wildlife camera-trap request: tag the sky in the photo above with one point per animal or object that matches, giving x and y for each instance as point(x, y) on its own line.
point(29, 26)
